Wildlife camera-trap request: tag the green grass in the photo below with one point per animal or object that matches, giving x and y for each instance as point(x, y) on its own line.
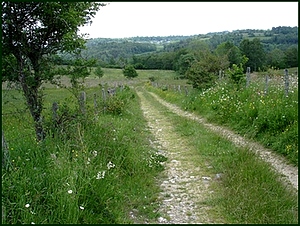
point(65, 178)
point(271, 119)
point(248, 191)
point(44, 174)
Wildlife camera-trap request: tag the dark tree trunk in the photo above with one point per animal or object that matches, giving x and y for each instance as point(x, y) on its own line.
point(30, 85)
point(34, 102)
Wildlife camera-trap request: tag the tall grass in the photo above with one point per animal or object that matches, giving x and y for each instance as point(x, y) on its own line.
point(271, 118)
point(90, 169)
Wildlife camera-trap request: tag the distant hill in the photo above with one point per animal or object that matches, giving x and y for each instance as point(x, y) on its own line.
point(117, 52)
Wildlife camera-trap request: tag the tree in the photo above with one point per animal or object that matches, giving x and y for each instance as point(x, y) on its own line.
point(254, 51)
point(233, 52)
point(276, 58)
point(32, 32)
point(184, 62)
point(203, 72)
point(236, 73)
point(291, 56)
point(129, 71)
point(99, 72)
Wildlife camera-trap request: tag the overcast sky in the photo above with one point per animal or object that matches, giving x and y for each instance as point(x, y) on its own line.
point(131, 19)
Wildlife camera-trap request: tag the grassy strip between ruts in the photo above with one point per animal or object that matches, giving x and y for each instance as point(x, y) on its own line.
point(90, 169)
point(247, 191)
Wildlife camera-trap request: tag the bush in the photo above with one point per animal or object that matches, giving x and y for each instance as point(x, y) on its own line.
point(129, 71)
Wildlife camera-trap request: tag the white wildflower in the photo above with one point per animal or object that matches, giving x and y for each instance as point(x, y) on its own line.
point(100, 175)
point(88, 161)
point(95, 153)
point(81, 207)
point(27, 205)
point(110, 165)
point(70, 191)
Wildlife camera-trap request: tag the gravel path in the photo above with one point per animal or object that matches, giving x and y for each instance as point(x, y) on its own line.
point(185, 186)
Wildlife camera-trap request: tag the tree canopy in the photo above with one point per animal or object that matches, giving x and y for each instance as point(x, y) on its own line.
point(31, 33)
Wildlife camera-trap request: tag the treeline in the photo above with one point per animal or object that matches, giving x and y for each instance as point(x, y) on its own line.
point(277, 48)
point(110, 53)
point(264, 49)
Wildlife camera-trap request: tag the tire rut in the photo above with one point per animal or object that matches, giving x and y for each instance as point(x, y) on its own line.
point(185, 186)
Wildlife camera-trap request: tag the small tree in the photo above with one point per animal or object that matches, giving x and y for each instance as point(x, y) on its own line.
point(32, 32)
point(203, 73)
point(99, 72)
point(129, 71)
point(236, 73)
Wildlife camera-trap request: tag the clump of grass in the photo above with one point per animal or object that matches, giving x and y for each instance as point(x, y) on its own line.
point(91, 169)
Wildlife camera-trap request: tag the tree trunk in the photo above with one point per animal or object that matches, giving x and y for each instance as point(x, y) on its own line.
point(34, 103)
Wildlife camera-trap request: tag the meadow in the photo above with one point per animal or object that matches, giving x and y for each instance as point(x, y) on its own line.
point(98, 167)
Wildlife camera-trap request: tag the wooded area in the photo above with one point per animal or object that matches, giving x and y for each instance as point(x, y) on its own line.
point(277, 47)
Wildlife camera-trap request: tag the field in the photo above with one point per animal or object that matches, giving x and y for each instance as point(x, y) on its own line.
point(99, 166)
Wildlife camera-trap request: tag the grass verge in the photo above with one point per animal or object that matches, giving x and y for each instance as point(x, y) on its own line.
point(90, 169)
point(270, 119)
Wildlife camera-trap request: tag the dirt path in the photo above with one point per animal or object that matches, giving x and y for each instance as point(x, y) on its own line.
point(185, 185)
point(289, 173)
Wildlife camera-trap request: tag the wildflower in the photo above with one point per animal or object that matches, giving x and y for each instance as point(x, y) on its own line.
point(88, 161)
point(95, 153)
point(81, 207)
point(110, 165)
point(32, 223)
point(70, 191)
point(27, 205)
point(100, 175)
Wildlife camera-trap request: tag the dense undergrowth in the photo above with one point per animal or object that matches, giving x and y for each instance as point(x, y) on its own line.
point(271, 118)
point(90, 169)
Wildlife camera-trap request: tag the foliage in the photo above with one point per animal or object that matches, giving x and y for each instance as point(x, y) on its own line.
point(233, 52)
point(49, 27)
point(184, 63)
point(203, 73)
point(255, 52)
point(129, 71)
point(118, 103)
point(99, 72)
point(276, 58)
point(291, 56)
point(236, 73)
